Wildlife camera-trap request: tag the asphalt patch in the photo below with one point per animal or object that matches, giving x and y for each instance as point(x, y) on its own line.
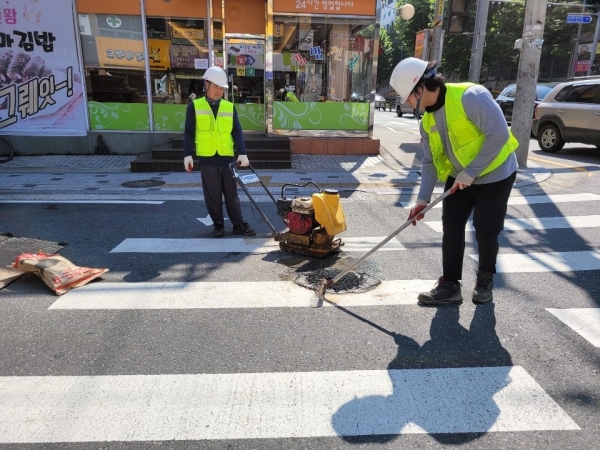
point(350, 283)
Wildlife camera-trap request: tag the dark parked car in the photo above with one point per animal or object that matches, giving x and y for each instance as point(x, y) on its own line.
point(506, 98)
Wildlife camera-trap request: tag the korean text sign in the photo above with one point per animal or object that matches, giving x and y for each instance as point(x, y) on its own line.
point(40, 77)
point(352, 7)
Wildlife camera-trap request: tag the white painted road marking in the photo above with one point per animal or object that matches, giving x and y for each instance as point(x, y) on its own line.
point(585, 321)
point(537, 199)
point(536, 223)
point(274, 405)
point(546, 262)
point(207, 220)
point(239, 245)
point(208, 295)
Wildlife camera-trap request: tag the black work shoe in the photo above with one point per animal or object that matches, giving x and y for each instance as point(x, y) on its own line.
point(443, 292)
point(219, 230)
point(244, 229)
point(483, 287)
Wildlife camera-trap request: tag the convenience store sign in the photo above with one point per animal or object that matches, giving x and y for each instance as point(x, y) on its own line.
point(350, 7)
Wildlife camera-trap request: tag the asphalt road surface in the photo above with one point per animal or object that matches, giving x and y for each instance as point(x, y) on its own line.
point(190, 342)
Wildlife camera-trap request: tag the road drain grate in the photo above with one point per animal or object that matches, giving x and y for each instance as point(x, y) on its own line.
point(142, 183)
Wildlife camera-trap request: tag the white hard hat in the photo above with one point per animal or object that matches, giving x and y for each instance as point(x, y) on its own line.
point(406, 75)
point(216, 75)
point(282, 90)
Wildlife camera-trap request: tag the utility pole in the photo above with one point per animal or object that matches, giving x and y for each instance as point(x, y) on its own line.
point(478, 40)
point(594, 44)
point(577, 39)
point(527, 76)
point(436, 39)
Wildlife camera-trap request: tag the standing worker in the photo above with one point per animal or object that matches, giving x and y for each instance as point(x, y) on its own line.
point(466, 144)
point(212, 130)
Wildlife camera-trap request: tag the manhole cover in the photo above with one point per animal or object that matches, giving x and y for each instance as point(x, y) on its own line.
point(142, 183)
point(351, 282)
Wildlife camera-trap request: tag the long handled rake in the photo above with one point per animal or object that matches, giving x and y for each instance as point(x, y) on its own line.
point(326, 284)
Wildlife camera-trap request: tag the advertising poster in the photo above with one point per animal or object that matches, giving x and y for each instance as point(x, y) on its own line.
point(40, 78)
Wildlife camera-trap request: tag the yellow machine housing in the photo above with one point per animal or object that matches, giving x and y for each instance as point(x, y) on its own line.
point(329, 212)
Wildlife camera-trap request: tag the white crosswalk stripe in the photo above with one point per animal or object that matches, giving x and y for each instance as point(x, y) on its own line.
point(265, 294)
point(535, 223)
point(585, 321)
point(546, 262)
point(242, 245)
point(274, 405)
point(540, 199)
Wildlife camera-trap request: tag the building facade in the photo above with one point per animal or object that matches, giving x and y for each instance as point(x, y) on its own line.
point(388, 13)
point(71, 70)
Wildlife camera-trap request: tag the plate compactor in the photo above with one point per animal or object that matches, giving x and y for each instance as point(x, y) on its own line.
point(312, 221)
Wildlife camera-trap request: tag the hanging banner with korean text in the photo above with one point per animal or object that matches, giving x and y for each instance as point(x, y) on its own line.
point(41, 90)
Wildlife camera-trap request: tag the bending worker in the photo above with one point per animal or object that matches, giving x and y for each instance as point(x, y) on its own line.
point(212, 130)
point(466, 144)
point(289, 96)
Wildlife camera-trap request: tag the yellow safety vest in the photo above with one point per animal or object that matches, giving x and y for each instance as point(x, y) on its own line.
point(291, 97)
point(213, 136)
point(465, 138)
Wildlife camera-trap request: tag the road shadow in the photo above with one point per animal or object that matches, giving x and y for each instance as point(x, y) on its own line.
point(436, 402)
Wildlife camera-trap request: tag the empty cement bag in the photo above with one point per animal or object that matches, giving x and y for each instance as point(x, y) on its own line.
point(58, 272)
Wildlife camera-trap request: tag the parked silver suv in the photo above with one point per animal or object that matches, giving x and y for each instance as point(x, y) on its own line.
point(569, 113)
point(405, 108)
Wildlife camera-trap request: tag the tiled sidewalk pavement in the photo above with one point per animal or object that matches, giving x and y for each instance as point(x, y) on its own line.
point(121, 163)
point(327, 171)
point(70, 163)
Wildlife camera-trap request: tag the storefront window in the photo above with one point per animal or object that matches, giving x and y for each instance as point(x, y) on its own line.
point(245, 67)
point(322, 73)
point(178, 55)
point(114, 62)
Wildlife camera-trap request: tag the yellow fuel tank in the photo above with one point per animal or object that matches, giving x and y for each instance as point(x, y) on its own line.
point(329, 212)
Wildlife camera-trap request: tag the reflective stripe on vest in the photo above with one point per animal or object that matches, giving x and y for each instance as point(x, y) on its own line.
point(213, 136)
point(465, 138)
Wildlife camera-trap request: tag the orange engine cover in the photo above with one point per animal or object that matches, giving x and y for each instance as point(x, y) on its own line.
point(299, 223)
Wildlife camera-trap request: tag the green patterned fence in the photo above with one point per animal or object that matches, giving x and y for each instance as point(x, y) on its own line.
point(252, 116)
point(119, 116)
point(169, 117)
point(320, 116)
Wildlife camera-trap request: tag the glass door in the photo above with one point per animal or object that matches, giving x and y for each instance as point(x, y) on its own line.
point(246, 69)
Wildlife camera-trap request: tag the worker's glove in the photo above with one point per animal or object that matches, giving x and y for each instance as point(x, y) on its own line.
point(188, 163)
point(415, 211)
point(243, 161)
point(462, 181)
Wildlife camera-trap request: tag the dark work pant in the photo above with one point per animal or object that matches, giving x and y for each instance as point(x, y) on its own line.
point(218, 181)
point(488, 204)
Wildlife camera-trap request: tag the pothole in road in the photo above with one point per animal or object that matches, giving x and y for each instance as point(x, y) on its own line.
point(350, 283)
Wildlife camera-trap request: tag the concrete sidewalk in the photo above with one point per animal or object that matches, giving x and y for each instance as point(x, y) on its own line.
point(394, 171)
point(64, 176)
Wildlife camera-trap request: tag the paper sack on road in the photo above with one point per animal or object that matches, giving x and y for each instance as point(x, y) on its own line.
point(58, 273)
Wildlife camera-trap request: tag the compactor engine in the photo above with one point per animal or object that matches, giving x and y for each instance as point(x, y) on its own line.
point(313, 222)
